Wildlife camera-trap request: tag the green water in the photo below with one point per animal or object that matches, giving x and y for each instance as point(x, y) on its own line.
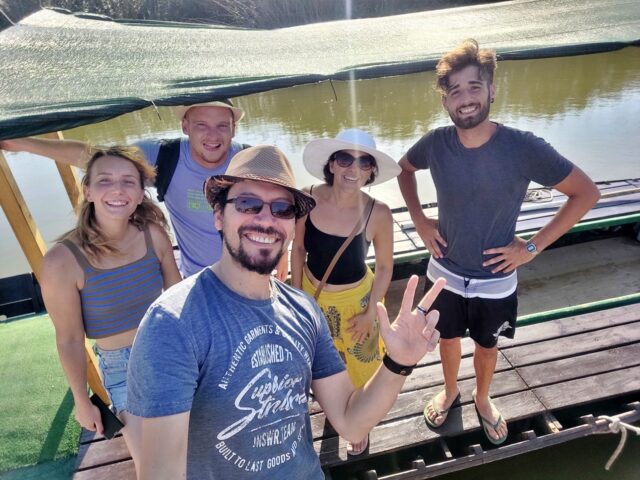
point(582, 459)
point(586, 106)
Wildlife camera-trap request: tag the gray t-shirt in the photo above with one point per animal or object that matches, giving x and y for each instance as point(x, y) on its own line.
point(480, 190)
point(190, 213)
point(243, 368)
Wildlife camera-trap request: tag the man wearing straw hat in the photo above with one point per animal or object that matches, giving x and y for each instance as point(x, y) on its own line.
point(186, 163)
point(222, 365)
point(481, 170)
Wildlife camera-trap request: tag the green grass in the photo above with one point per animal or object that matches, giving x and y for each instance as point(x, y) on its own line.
point(37, 425)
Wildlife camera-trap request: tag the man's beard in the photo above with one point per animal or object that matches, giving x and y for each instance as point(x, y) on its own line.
point(473, 121)
point(263, 264)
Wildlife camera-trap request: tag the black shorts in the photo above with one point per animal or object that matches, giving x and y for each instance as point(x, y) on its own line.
point(485, 318)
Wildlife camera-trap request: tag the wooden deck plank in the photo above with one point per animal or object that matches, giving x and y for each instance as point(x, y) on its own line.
point(431, 375)
point(590, 389)
point(581, 366)
point(566, 346)
point(413, 431)
point(102, 453)
point(413, 403)
point(121, 471)
point(573, 325)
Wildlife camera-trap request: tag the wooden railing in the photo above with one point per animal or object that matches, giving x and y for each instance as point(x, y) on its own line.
point(34, 247)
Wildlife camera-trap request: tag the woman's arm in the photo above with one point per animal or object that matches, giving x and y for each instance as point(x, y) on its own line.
point(60, 277)
point(164, 251)
point(381, 223)
point(298, 253)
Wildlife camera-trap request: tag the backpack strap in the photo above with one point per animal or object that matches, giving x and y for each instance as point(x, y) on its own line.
point(166, 165)
point(167, 162)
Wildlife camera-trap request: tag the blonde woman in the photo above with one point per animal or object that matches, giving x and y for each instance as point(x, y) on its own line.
point(347, 163)
point(100, 278)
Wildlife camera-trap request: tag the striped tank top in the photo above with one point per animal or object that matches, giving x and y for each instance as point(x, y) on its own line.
point(114, 300)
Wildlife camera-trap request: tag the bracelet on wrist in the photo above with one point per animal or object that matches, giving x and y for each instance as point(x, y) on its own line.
point(396, 368)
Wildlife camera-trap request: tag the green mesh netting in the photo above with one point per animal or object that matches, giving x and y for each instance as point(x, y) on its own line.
point(59, 71)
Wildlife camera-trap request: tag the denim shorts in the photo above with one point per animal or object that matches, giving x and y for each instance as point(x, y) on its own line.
point(113, 368)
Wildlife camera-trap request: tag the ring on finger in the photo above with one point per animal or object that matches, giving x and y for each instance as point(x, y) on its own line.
point(422, 310)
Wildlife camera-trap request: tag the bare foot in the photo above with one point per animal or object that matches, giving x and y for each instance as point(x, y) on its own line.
point(359, 447)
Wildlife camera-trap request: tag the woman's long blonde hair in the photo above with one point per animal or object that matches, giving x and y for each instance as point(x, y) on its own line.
point(87, 231)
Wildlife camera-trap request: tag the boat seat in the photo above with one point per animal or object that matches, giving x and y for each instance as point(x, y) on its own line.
point(20, 295)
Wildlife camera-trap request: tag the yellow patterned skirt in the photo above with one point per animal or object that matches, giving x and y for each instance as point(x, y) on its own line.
point(361, 359)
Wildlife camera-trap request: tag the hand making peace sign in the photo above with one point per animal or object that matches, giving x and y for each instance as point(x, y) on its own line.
point(413, 333)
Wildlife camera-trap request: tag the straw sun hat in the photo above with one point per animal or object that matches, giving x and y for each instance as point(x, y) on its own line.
point(317, 152)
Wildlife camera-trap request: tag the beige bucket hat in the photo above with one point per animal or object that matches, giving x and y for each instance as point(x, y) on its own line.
point(262, 163)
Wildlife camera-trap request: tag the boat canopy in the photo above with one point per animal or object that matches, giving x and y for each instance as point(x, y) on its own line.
point(62, 70)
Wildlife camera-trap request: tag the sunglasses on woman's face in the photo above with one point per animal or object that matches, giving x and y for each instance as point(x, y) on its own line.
point(345, 160)
point(253, 206)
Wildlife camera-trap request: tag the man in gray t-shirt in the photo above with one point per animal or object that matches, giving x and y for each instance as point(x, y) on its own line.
point(481, 171)
point(222, 364)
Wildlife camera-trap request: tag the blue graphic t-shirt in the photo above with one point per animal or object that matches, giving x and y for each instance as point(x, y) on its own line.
point(243, 368)
point(190, 214)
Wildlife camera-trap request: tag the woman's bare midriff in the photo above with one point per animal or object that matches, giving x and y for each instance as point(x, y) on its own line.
point(117, 341)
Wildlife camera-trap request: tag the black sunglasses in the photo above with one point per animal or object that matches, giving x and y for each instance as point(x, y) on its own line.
point(345, 160)
point(253, 206)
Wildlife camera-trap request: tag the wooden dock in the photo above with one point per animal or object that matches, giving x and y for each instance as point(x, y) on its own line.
point(547, 379)
point(551, 383)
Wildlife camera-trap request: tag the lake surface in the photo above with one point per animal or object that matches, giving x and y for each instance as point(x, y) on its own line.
point(588, 107)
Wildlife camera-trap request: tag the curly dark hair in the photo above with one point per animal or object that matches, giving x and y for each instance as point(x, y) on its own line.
point(467, 53)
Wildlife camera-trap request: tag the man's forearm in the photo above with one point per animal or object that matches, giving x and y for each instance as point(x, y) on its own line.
point(69, 152)
point(409, 189)
point(570, 214)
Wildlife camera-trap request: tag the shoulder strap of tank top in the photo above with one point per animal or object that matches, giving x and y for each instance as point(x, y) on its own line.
point(77, 253)
point(148, 241)
point(371, 204)
point(311, 190)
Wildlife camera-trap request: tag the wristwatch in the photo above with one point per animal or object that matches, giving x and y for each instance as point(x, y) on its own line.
point(531, 248)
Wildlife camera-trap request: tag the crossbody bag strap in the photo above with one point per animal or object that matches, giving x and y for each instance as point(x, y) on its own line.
point(343, 247)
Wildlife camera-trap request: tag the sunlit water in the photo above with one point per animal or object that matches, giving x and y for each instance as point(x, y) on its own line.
point(587, 107)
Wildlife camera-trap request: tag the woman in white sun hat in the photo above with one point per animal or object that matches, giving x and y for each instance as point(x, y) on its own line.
point(348, 298)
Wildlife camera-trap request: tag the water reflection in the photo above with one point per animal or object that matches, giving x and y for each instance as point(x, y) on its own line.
point(406, 105)
point(586, 106)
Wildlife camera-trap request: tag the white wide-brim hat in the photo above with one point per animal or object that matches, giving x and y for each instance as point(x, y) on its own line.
point(317, 152)
point(238, 113)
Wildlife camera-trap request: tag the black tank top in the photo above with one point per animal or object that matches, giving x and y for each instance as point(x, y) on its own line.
point(321, 248)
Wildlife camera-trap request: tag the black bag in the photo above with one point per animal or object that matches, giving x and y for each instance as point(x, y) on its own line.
point(110, 422)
